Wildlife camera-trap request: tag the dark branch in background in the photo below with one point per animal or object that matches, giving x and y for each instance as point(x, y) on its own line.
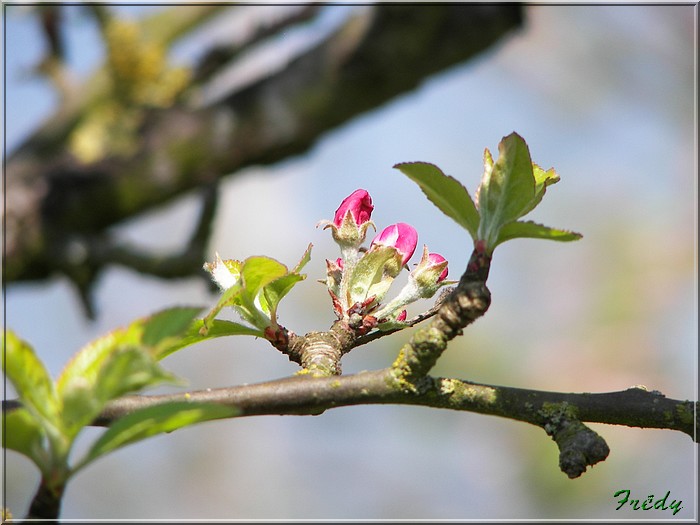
point(376, 55)
point(85, 256)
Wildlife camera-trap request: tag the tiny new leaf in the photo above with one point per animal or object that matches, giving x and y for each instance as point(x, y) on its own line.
point(34, 386)
point(256, 294)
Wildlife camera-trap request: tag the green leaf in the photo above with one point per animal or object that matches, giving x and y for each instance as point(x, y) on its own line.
point(130, 370)
point(149, 333)
point(542, 180)
point(445, 192)
point(152, 421)
point(264, 282)
point(274, 292)
point(34, 386)
point(305, 258)
point(216, 328)
point(374, 273)
point(23, 434)
point(124, 371)
point(533, 230)
point(259, 271)
point(507, 188)
point(120, 362)
point(229, 298)
point(168, 324)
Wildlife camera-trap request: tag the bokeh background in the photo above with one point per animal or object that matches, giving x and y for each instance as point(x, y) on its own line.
point(605, 94)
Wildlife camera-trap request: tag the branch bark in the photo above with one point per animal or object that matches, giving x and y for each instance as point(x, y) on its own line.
point(560, 414)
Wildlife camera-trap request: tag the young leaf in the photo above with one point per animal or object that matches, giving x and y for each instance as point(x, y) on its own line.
point(23, 434)
point(125, 370)
point(230, 297)
point(274, 292)
point(34, 386)
point(507, 187)
point(216, 328)
point(542, 180)
point(259, 271)
point(154, 420)
point(129, 370)
point(264, 282)
point(151, 332)
point(530, 229)
point(374, 273)
point(445, 192)
point(167, 324)
point(305, 258)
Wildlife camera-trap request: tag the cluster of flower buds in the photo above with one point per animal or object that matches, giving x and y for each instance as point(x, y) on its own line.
point(359, 280)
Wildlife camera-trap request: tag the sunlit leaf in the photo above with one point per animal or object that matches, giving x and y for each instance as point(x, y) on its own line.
point(32, 382)
point(533, 230)
point(374, 273)
point(445, 192)
point(167, 324)
point(258, 271)
point(228, 298)
point(507, 189)
point(542, 180)
point(126, 370)
point(274, 292)
point(216, 328)
point(23, 434)
point(148, 333)
point(152, 421)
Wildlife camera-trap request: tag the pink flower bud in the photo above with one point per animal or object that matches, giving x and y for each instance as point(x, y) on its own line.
point(401, 236)
point(435, 259)
point(339, 263)
point(401, 316)
point(359, 204)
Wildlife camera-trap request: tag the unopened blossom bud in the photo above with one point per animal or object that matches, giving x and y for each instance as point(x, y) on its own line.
point(430, 273)
point(359, 204)
point(425, 279)
point(401, 236)
point(434, 259)
point(350, 224)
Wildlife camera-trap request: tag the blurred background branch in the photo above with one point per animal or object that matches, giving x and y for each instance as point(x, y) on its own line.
point(140, 132)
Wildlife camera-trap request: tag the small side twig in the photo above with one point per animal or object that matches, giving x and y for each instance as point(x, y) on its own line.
point(377, 334)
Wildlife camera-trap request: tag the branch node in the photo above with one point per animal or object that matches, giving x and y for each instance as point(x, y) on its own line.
point(579, 446)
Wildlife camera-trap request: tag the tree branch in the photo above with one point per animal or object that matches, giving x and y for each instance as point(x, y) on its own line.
point(561, 415)
point(361, 66)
